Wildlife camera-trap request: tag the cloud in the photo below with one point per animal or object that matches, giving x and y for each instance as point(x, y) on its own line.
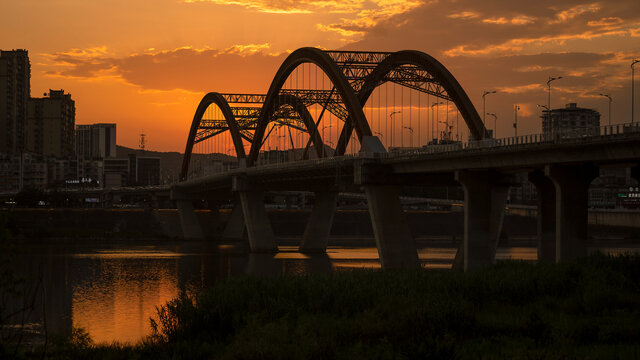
point(517, 20)
point(184, 68)
point(568, 14)
point(465, 15)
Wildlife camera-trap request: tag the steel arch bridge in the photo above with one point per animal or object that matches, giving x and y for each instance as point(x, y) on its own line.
point(315, 90)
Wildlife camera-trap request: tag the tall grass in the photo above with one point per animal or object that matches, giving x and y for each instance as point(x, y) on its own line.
point(586, 309)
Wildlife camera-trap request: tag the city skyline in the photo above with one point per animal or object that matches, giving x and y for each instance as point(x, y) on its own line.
point(130, 68)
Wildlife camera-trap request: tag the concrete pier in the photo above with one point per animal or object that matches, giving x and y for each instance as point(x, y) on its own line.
point(572, 185)
point(485, 194)
point(235, 225)
point(396, 246)
point(191, 228)
point(316, 234)
point(259, 231)
point(546, 217)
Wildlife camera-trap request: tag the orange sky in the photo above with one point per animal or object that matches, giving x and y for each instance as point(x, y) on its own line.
point(145, 64)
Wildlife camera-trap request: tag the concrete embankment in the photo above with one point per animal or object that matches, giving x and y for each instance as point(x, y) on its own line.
point(165, 224)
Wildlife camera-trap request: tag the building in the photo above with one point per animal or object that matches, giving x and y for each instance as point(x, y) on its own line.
point(96, 141)
point(15, 90)
point(116, 172)
point(50, 123)
point(571, 121)
point(24, 170)
point(144, 170)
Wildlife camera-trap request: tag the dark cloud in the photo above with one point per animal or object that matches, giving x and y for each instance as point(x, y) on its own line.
point(186, 69)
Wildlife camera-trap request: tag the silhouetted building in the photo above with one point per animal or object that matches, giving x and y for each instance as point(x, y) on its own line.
point(50, 123)
point(96, 141)
point(116, 172)
point(18, 171)
point(144, 170)
point(571, 121)
point(15, 89)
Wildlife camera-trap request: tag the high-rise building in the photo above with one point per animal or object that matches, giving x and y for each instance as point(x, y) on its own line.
point(51, 123)
point(571, 121)
point(96, 141)
point(15, 89)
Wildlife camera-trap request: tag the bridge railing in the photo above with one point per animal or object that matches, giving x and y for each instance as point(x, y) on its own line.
point(557, 137)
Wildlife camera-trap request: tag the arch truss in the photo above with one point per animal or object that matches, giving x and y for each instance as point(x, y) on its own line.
point(354, 75)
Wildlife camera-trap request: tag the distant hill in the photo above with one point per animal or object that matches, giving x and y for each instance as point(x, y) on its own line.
point(170, 162)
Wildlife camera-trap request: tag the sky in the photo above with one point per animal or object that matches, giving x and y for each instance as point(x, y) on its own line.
point(145, 64)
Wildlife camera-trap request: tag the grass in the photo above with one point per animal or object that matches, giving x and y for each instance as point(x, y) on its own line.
point(588, 309)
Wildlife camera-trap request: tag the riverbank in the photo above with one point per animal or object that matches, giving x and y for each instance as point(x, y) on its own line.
point(585, 309)
point(100, 225)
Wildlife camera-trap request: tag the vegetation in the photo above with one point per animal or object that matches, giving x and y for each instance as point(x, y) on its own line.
point(585, 309)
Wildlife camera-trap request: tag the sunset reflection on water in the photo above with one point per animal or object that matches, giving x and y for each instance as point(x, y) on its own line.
point(113, 293)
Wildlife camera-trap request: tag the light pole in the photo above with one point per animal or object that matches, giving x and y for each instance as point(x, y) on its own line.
point(633, 88)
point(549, 87)
point(437, 127)
point(323, 140)
point(485, 93)
point(610, 101)
point(515, 124)
point(410, 135)
point(391, 120)
point(547, 115)
point(495, 122)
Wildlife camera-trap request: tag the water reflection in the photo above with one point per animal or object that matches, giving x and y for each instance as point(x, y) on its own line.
point(112, 292)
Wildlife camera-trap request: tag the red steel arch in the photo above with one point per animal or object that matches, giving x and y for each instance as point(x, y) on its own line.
point(216, 98)
point(221, 102)
point(433, 67)
point(324, 61)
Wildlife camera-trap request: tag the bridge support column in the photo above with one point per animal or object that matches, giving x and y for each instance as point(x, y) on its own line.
point(191, 228)
point(546, 216)
point(235, 225)
point(572, 202)
point(396, 246)
point(261, 238)
point(485, 195)
point(316, 234)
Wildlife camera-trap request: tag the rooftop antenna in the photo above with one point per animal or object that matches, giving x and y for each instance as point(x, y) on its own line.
point(142, 142)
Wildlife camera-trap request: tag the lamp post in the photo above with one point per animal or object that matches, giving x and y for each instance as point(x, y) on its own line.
point(633, 88)
point(485, 93)
point(410, 134)
point(549, 87)
point(323, 140)
point(495, 122)
point(437, 127)
point(391, 120)
point(610, 101)
point(515, 123)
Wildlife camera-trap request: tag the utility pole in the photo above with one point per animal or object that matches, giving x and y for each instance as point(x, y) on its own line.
point(549, 87)
point(495, 122)
point(610, 101)
point(515, 124)
point(484, 94)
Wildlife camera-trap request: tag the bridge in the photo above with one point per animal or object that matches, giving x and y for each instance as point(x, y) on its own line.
point(375, 122)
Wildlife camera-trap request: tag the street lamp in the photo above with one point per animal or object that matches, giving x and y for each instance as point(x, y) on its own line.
point(515, 124)
point(549, 87)
point(485, 93)
point(437, 127)
point(633, 88)
point(495, 122)
point(410, 134)
point(391, 120)
point(610, 101)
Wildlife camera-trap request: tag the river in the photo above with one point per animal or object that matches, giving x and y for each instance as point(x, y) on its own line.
point(111, 291)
